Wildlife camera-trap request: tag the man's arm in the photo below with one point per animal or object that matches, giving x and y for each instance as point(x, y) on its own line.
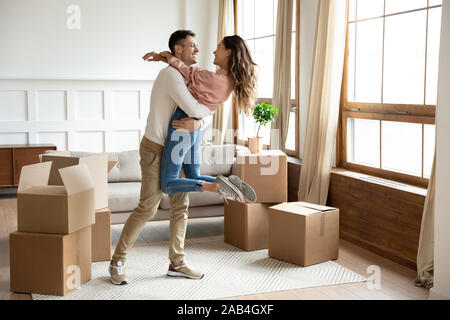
point(177, 90)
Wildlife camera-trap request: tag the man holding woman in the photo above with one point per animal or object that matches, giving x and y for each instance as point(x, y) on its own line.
point(161, 163)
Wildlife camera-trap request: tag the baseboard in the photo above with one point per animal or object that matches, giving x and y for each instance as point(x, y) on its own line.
point(434, 295)
point(8, 192)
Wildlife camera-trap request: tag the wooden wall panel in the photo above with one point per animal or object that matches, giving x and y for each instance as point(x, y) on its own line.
point(383, 219)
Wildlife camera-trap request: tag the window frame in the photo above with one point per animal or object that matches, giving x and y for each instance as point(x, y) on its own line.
point(410, 113)
point(294, 102)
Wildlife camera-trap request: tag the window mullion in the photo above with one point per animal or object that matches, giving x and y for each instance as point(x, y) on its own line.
point(423, 148)
point(381, 144)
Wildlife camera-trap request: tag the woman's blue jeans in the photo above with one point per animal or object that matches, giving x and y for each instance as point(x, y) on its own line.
point(182, 149)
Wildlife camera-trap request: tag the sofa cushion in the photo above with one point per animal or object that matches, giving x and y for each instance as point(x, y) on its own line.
point(123, 196)
point(216, 159)
point(127, 168)
point(196, 199)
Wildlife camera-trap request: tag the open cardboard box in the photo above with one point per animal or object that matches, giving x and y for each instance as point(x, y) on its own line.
point(55, 209)
point(98, 166)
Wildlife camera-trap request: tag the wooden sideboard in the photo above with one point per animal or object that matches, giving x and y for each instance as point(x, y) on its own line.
point(14, 157)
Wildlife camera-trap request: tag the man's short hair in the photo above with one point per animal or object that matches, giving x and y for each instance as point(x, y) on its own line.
point(177, 38)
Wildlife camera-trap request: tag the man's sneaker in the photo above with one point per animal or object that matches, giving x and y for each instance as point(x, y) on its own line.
point(183, 271)
point(117, 273)
point(246, 189)
point(229, 190)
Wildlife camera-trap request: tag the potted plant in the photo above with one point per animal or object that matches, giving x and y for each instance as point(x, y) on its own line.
point(263, 114)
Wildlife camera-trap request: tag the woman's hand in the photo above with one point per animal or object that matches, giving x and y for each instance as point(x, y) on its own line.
point(186, 124)
point(166, 55)
point(153, 56)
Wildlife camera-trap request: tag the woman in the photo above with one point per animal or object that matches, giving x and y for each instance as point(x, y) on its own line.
point(236, 74)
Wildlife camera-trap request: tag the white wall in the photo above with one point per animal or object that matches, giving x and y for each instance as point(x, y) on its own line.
point(37, 43)
point(441, 287)
point(202, 17)
point(70, 89)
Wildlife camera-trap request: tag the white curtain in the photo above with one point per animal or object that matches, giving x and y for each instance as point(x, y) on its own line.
point(282, 73)
point(324, 99)
point(223, 113)
point(425, 253)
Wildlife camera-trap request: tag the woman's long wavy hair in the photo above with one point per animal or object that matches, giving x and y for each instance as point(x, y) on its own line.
point(242, 70)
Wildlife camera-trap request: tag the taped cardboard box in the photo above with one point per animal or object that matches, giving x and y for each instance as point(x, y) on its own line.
point(50, 263)
point(303, 233)
point(101, 236)
point(246, 225)
point(266, 172)
point(98, 166)
point(55, 209)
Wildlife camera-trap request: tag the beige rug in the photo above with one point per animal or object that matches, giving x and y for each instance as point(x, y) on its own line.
point(228, 270)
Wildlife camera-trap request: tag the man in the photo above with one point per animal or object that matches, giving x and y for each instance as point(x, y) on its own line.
point(169, 90)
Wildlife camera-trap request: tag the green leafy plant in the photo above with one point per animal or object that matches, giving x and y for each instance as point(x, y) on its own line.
point(263, 114)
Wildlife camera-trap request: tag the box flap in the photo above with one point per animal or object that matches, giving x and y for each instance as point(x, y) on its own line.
point(57, 153)
point(34, 175)
point(295, 208)
point(97, 164)
point(111, 165)
point(58, 162)
point(76, 179)
point(98, 168)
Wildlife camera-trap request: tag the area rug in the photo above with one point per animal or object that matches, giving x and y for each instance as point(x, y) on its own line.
point(229, 272)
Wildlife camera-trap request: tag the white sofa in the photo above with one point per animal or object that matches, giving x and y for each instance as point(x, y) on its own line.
point(124, 183)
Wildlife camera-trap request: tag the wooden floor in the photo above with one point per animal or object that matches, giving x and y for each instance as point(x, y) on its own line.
point(397, 282)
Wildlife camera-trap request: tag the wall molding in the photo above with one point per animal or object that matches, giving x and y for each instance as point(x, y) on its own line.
point(84, 115)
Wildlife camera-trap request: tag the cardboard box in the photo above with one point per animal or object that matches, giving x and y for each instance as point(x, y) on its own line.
point(266, 172)
point(246, 225)
point(55, 209)
point(98, 166)
point(303, 233)
point(101, 236)
point(50, 263)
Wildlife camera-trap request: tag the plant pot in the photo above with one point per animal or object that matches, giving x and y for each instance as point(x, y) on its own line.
point(255, 144)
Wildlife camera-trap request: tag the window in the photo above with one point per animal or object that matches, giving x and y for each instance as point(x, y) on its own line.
point(389, 88)
point(256, 24)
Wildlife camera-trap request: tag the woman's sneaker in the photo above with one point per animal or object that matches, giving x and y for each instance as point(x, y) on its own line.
point(246, 189)
point(117, 273)
point(229, 190)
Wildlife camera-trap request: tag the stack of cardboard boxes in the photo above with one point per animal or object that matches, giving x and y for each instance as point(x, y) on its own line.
point(246, 225)
point(63, 224)
point(297, 232)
